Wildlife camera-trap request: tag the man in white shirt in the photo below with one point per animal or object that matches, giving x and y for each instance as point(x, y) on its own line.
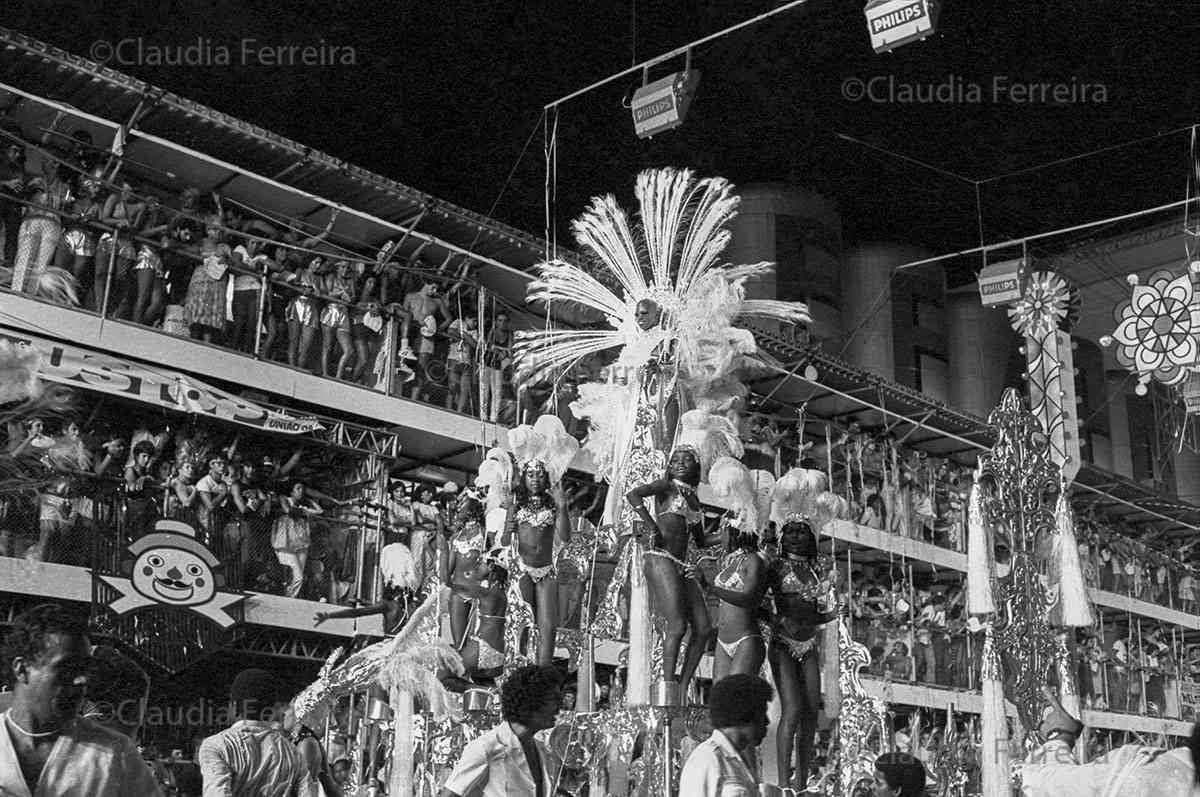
point(507, 760)
point(726, 764)
point(253, 757)
point(45, 749)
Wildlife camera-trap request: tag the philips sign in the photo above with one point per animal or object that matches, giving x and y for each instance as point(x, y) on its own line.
point(895, 22)
point(663, 104)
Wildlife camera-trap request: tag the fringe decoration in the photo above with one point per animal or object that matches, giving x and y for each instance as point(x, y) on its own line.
point(1074, 605)
point(980, 564)
point(831, 669)
point(995, 747)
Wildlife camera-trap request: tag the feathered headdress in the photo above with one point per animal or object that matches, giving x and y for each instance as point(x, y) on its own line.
point(495, 475)
point(802, 494)
point(668, 256)
point(746, 492)
point(709, 437)
point(545, 444)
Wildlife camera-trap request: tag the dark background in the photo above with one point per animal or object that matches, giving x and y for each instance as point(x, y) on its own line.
point(445, 95)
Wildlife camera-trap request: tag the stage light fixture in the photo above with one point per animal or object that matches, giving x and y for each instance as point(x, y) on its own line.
point(663, 104)
point(892, 23)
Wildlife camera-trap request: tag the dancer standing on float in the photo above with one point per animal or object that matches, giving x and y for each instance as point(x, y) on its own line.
point(677, 520)
point(801, 583)
point(740, 584)
point(460, 556)
point(537, 519)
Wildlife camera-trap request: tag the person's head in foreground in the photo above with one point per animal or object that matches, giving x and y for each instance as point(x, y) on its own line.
point(531, 696)
point(47, 655)
point(117, 690)
point(737, 706)
point(899, 775)
point(256, 696)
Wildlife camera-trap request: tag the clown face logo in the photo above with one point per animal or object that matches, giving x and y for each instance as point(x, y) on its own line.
point(174, 576)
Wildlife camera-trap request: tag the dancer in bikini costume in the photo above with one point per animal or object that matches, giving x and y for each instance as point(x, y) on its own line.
point(674, 594)
point(800, 582)
point(740, 585)
point(461, 556)
point(537, 513)
point(485, 585)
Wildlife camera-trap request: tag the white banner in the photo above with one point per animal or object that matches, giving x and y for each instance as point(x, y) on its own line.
point(80, 368)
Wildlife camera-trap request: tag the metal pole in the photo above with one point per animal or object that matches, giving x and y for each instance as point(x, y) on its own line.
point(388, 376)
point(262, 310)
point(112, 258)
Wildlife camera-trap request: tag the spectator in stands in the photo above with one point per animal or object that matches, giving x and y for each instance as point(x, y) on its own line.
point(254, 758)
point(424, 306)
point(140, 488)
point(365, 330)
point(338, 289)
point(250, 263)
point(291, 535)
point(184, 232)
point(213, 493)
point(204, 307)
point(248, 533)
point(303, 312)
point(460, 362)
point(12, 185)
point(44, 748)
point(77, 249)
point(41, 227)
point(115, 251)
point(149, 273)
point(496, 358)
point(279, 273)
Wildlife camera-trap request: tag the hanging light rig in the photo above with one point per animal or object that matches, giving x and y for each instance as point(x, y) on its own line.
point(663, 104)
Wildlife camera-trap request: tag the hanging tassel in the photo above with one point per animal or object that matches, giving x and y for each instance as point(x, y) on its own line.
point(995, 741)
point(1073, 598)
point(979, 558)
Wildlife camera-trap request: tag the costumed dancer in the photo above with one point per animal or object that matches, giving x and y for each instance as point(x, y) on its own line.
point(538, 516)
point(801, 583)
point(461, 555)
point(676, 522)
point(742, 578)
point(485, 586)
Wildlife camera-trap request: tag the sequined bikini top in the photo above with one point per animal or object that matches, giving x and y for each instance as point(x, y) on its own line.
point(676, 503)
point(793, 584)
point(730, 577)
point(538, 518)
point(470, 539)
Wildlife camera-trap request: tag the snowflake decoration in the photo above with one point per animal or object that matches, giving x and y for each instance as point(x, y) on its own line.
point(1157, 329)
point(1049, 303)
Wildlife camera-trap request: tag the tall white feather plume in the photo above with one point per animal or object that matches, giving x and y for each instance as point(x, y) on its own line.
point(670, 256)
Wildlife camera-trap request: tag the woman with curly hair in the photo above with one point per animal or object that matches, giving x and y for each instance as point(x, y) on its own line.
point(508, 759)
point(537, 513)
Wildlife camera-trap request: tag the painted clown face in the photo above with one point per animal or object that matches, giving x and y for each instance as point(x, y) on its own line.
point(174, 576)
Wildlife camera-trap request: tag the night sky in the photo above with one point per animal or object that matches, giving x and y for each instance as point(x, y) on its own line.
point(443, 96)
